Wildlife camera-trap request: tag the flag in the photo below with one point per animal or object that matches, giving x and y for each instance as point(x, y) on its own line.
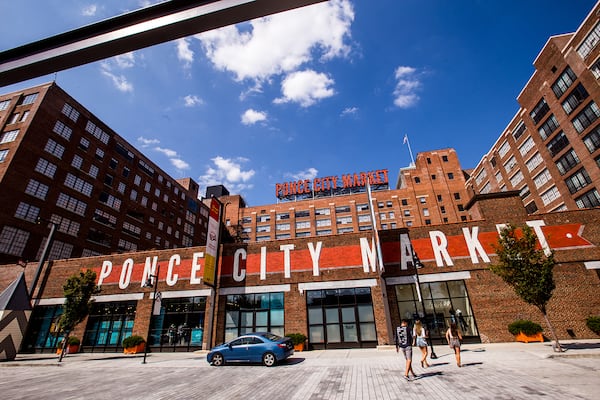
point(405, 139)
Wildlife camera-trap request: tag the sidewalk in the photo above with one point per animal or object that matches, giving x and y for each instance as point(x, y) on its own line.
point(499, 370)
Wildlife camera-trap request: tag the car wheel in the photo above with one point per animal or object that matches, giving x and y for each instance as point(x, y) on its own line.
point(269, 359)
point(217, 360)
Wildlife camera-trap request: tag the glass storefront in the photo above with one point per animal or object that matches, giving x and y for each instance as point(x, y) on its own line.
point(180, 325)
point(340, 318)
point(444, 302)
point(108, 324)
point(254, 313)
point(41, 335)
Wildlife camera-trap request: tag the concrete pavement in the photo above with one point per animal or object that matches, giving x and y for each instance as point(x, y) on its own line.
point(490, 371)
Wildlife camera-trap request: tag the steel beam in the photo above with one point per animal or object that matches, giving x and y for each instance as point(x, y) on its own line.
point(148, 26)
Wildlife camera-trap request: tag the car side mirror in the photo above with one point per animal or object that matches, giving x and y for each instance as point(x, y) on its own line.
point(230, 346)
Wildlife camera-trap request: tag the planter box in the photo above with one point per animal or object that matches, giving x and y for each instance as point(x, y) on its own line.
point(133, 350)
point(71, 349)
point(299, 347)
point(521, 337)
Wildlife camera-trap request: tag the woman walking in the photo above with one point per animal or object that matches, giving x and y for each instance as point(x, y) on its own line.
point(454, 337)
point(420, 334)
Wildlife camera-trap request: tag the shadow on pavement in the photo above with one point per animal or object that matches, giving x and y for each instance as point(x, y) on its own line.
point(580, 346)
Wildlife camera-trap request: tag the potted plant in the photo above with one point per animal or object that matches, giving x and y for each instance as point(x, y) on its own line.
point(594, 324)
point(133, 344)
point(298, 339)
point(526, 331)
point(72, 345)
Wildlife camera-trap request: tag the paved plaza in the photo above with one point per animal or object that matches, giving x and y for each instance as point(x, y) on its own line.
point(490, 371)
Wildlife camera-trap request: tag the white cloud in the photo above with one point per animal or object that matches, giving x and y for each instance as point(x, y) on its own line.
point(179, 164)
point(349, 111)
point(126, 60)
point(250, 117)
point(306, 88)
point(173, 157)
point(166, 152)
point(281, 43)
point(192, 100)
point(119, 81)
point(228, 172)
point(144, 142)
point(184, 53)
point(309, 173)
point(89, 11)
point(407, 83)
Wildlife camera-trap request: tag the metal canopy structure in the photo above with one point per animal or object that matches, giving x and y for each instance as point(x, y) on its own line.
point(149, 26)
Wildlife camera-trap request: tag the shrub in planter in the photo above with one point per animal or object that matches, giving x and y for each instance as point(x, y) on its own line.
point(72, 345)
point(525, 326)
point(594, 324)
point(133, 341)
point(297, 338)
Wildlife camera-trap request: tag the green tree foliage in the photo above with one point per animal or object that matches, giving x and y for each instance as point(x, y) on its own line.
point(78, 292)
point(526, 268)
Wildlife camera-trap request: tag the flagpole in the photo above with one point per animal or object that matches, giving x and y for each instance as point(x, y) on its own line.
point(405, 141)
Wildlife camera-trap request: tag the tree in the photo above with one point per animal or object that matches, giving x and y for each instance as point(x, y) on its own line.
point(527, 269)
point(78, 292)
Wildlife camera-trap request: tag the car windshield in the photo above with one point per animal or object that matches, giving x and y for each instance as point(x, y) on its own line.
point(272, 337)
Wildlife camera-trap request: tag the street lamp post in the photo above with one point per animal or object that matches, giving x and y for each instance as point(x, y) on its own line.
point(44, 256)
point(150, 284)
point(418, 264)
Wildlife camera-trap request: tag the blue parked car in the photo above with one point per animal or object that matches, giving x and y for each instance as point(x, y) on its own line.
point(263, 347)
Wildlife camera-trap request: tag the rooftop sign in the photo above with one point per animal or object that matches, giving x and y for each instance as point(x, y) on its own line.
point(332, 185)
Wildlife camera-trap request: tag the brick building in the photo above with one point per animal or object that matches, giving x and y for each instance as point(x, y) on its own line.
point(429, 192)
point(60, 163)
point(331, 287)
point(550, 150)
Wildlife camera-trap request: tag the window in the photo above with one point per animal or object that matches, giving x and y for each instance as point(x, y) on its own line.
point(588, 200)
point(586, 117)
point(567, 162)
point(37, 189)
point(590, 41)
point(9, 136)
point(342, 209)
point(550, 195)
point(564, 82)
point(324, 232)
point(27, 212)
point(253, 312)
point(558, 143)
point(417, 179)
point(71, 204)
point(404, 202)
point(516, 178)
point(84, 144)
point(524, 192)
point(97, 132)
point(302, 214)
point(54, 148)
point(531, 207)
point(502, 150)
point(13, 119)
point(480, 177)
point(450, 175)
point(144, 166)
point(132, 229)
point(147, 187)
point(361, 207)
point(592, 140)
point(382, 216)
point(4, 104)
point(46, 168)
point(62, 130)
point(110, 200)
point(407, 213)
point(70, 112)
point(283, 216)
point(120, 148)
point(526, 146)
point(422, 200)
point(29, 99)
point(578, 181)
point(534, 161)
point(392, 215)
point(78, 184)
point(426, 212)
point(282, 227)
point(93, 171)
point(542, 178)
point(322, 211)
point(364, 218)
point(99, 154)
point(24, 116)
point(121, 188)
point(323, 222)
point(519, 130)
point(246, 220)
point(549, 126)
point(445, 158)
point(574, 99)
point(344, 220)
point(539, 111)
point(13, 241)
point(456, 196)
point(303, 225)
point(263, 218)
point(77, 162)
point(486, 188)
point(263, 228)
point(510, 164)
point(65, 225)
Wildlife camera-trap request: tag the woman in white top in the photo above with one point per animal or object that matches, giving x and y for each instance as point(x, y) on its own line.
point(420, 334)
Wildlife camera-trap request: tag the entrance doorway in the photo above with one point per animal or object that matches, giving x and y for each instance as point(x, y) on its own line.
point(340, 318)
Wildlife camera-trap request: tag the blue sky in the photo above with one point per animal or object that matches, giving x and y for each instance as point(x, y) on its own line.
point(325, 90)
